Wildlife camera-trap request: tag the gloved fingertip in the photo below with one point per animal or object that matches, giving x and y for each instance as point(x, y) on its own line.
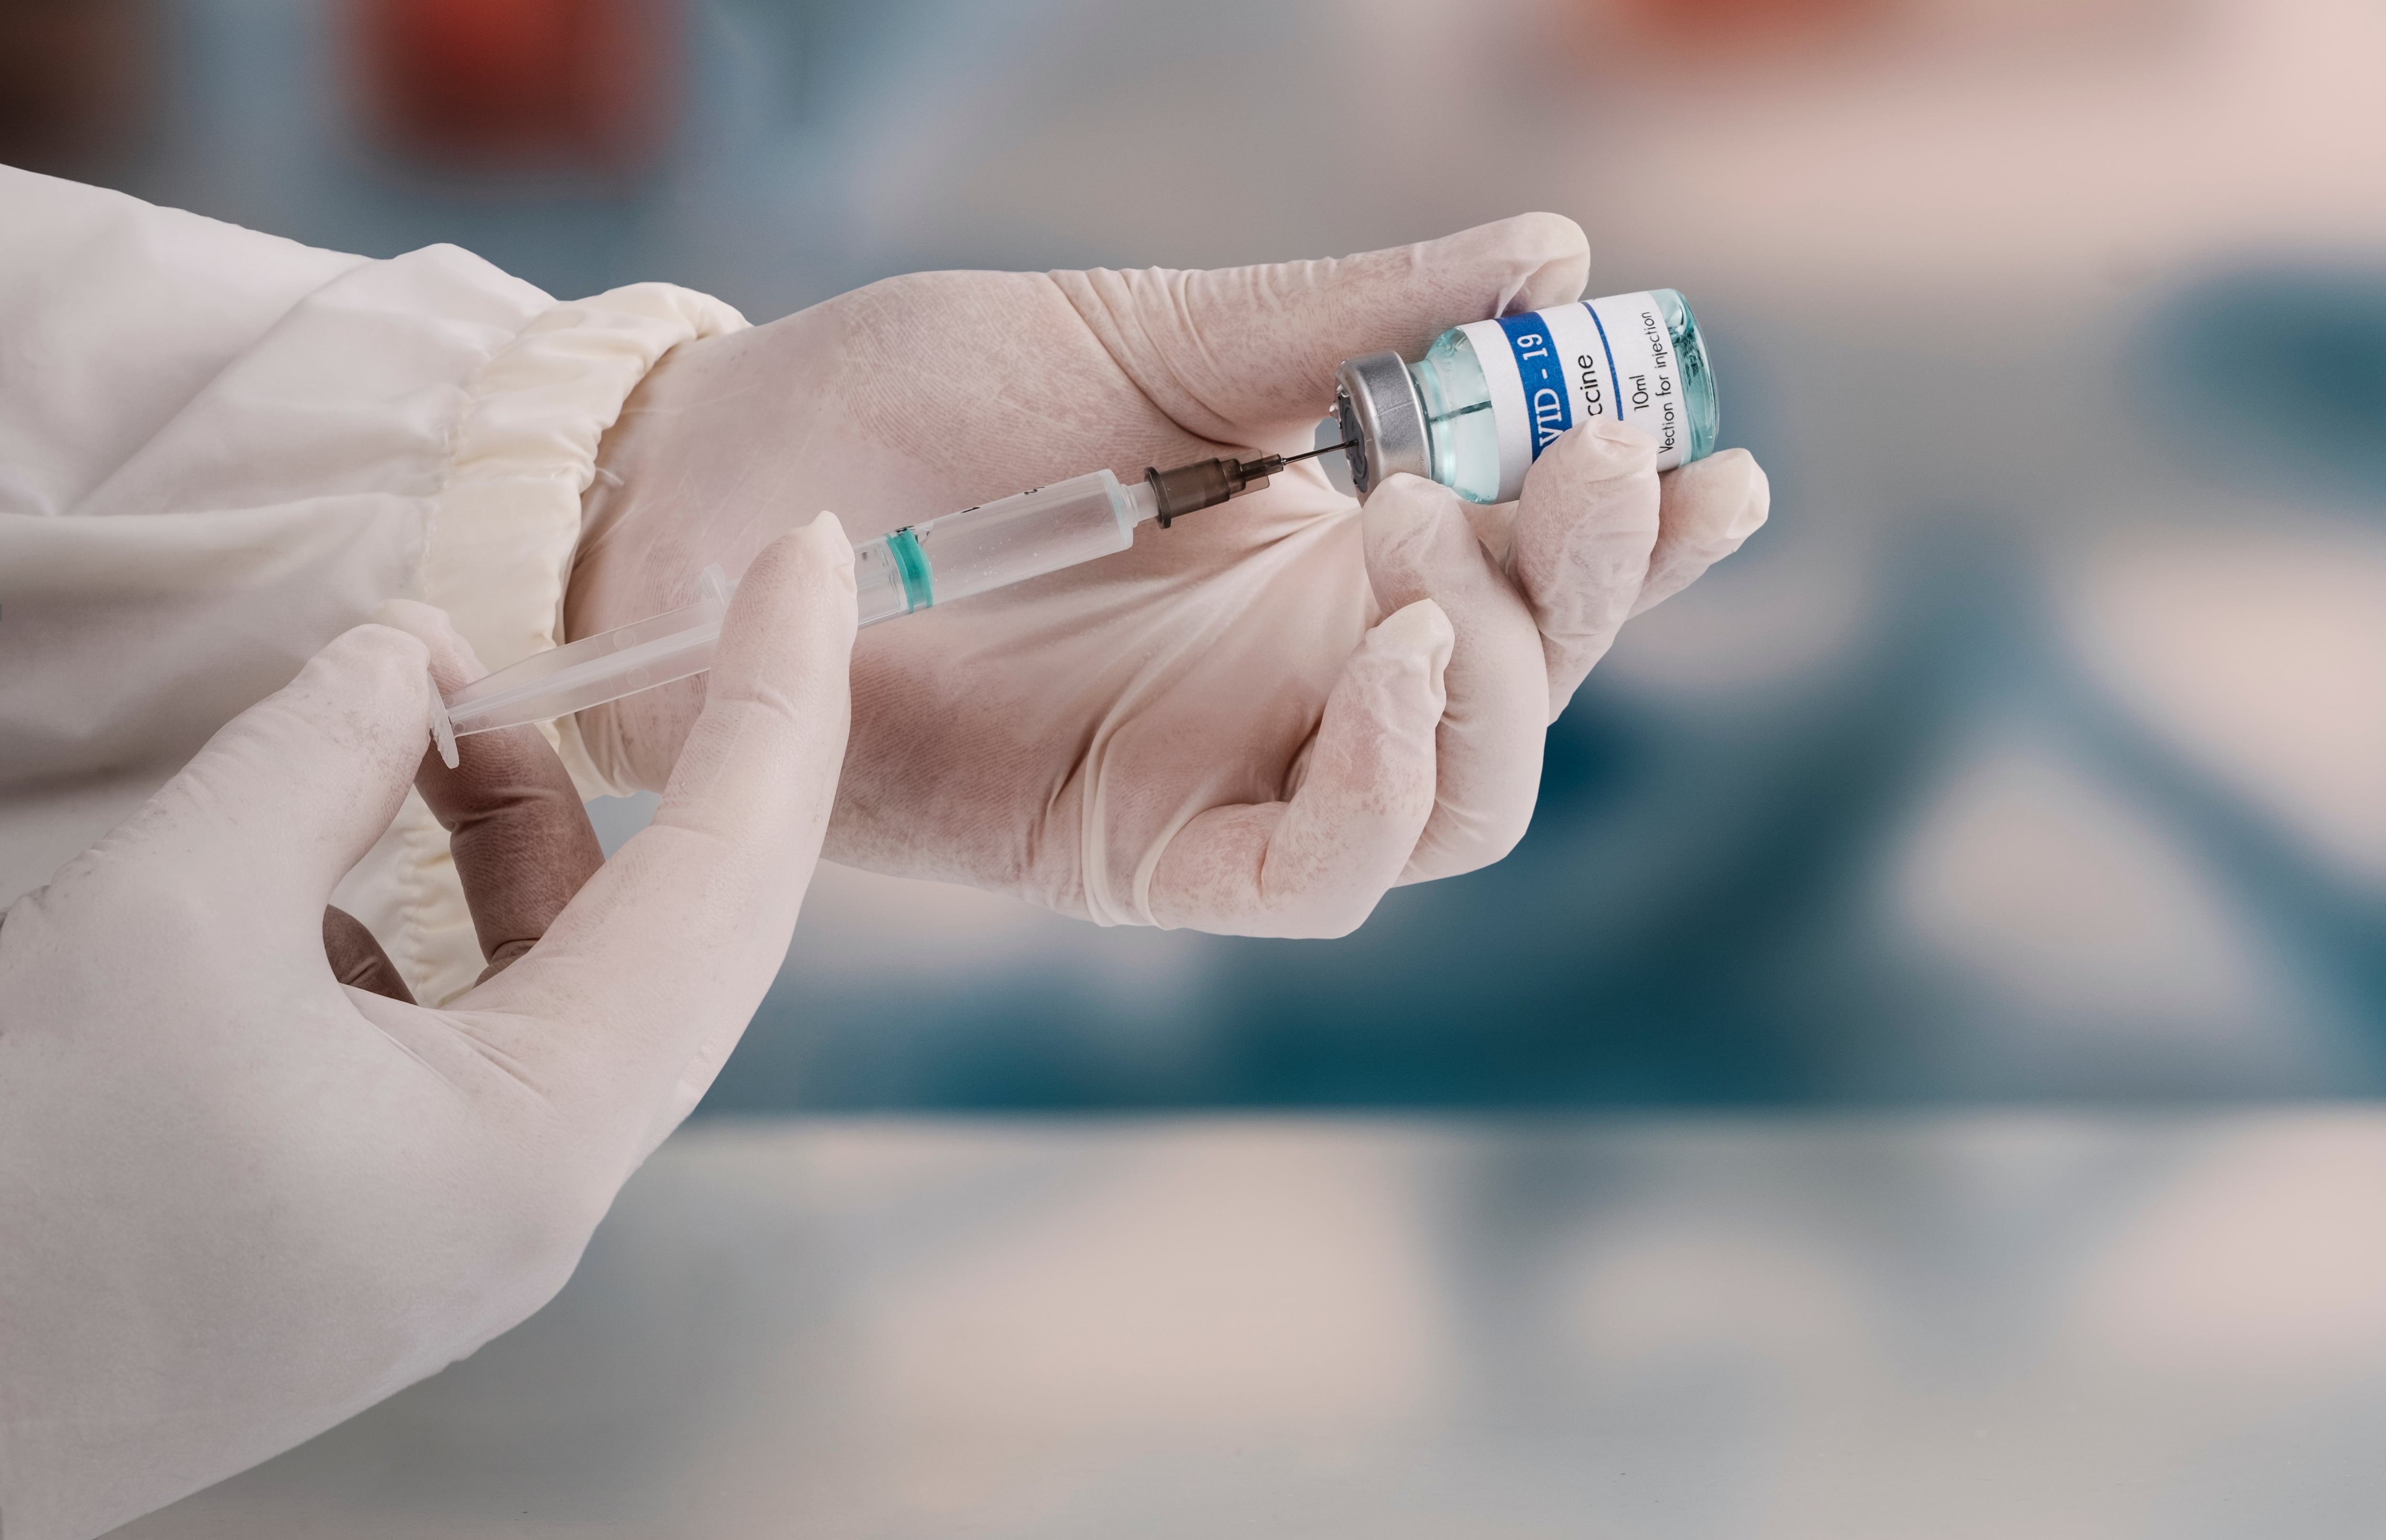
point(453, 662)
point(1411, 529)
point(1422, 631)
point(1402, 499)
point(827, 530)
point(1537, 231)
point(1603, 450)
point(1544, 258)
point(792, 610)
point(1757, 506)
point(810, 563)
point(367, 693)
point(1411, 512)
point(1733, 485)
point(389, 657)
point(1407, 660)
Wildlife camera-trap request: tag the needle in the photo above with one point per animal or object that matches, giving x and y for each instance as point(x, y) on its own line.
point(1325, 449)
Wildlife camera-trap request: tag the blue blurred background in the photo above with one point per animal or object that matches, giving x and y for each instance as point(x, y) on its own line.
point(2033, 752)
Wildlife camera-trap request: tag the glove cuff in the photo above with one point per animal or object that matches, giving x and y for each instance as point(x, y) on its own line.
point(496, 558)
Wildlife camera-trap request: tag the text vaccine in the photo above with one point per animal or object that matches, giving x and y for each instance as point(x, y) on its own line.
point(1487, 397)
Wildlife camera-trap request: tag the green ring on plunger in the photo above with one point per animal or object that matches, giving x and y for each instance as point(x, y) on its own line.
point(911, 566)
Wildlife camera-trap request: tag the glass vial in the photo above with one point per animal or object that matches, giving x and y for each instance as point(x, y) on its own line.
point(1487, 397)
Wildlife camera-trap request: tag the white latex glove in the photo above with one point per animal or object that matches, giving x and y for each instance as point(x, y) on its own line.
point(1256, 721)
point(242, 1201)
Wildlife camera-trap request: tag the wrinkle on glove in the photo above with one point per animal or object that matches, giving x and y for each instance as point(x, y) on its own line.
point(243, 1201)
point(1593, 543)
point(1172, 735)
point(1314, 864)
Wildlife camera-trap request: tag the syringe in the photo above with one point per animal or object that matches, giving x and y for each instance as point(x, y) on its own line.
point(974, 551)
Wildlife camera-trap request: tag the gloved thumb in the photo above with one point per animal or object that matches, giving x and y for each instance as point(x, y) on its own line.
point(1317, 864)
point(626, 1006)
point(290, 793)
point(1488, 772)
point(1242, 354)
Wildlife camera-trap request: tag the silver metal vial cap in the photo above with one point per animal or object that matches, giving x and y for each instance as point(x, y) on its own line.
point(1382, 420)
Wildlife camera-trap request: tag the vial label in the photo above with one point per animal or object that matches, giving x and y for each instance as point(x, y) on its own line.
point(1577, 363)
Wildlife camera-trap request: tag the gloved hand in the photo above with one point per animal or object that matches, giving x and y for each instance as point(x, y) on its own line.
point(241, 1201)
point(1256, 721)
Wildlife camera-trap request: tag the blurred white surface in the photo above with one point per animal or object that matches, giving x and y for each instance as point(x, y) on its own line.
point(1962, 1326)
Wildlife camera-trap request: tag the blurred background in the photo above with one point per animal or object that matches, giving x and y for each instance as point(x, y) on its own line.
point(1913, 904)
point(2032, 752)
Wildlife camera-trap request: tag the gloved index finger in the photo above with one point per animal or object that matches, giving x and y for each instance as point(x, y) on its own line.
point(1238, 350)
point(289, 794)
point(516, 827)
point(661, 959)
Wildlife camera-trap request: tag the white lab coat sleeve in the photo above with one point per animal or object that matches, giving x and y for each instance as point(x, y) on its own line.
point(220, 449)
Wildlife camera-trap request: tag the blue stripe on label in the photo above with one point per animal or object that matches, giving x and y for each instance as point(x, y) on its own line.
point(1549, 404)
point(1614, 381)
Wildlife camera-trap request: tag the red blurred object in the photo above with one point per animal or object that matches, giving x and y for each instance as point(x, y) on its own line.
point(77, 83)
point(1751, 23)
point(523, 84)
point(1799, 32)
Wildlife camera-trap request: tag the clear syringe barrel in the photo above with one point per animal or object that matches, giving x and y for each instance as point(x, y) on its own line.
point(996, 544)
point(597, 669)
point(950, 557)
